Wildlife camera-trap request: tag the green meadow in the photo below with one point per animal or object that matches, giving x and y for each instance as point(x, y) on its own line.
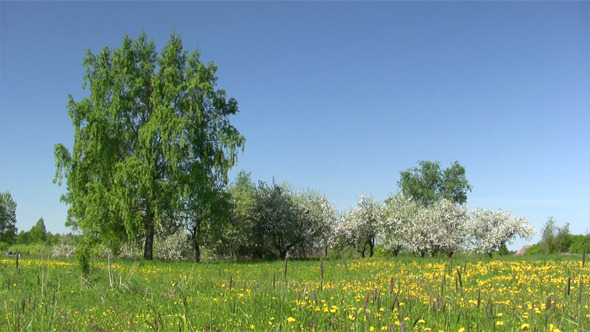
point(542, 293)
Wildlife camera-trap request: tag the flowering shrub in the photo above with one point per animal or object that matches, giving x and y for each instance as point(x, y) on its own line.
point(130, 251)
point(174, 247)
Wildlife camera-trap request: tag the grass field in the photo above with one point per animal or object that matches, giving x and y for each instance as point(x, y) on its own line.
point(463, 294)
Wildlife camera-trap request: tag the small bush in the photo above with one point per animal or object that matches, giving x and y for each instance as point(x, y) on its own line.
point(535, 249)
point(173, 248)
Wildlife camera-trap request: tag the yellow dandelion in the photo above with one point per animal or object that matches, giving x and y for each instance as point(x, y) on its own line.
point(290, 319)
point(524, 327)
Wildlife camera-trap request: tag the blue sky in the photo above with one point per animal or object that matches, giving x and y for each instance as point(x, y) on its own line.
point(334, 96)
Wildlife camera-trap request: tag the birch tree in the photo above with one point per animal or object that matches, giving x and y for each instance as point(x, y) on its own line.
point(152, 133)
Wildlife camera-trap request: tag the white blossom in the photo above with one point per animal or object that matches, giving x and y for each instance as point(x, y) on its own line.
point(489, 229)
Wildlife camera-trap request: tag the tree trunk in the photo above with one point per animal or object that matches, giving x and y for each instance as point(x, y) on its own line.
point(148, 249)
point(283, 254)
point(450, 254)
point(371, 248)
point(422, 254)
point(362, 251)
point(395, 252)
point(197, 252)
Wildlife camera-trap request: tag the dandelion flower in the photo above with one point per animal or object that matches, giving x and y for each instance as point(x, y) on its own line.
point(290, 319)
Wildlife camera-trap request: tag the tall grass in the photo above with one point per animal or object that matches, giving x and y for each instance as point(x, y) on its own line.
point(405, 293)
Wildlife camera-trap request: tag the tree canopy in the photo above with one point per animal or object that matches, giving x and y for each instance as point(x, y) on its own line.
point(429, 183)
point(7, 218)
point(153, 134)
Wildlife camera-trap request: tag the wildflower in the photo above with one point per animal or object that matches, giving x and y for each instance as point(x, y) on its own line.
point(462, 329)
point(290, 319)
point(371, 329)
point(251, 327)
point(524, 327)
point(499, 323)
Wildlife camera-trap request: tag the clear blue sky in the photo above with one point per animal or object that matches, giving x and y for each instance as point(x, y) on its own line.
point(334, 96)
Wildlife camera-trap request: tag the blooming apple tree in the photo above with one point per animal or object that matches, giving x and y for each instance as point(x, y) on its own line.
point(320, 216)
point(489, 229)
point(361, 226)
point(399, 212)
point(441, 226)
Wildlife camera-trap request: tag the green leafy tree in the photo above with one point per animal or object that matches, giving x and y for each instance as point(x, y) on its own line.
point(153, 133)
point(205, 216)
point(23, 238)
point(8, 228)
point(548, 238)
point(38, 233)
point(580, 243)
point(239, 238)
point(429, 183)
point(563, 238)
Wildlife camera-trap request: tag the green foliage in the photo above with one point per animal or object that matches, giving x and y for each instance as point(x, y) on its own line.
point(152, 142)
point(8, 228)
point(84, 251)
point(503, 250)
point(381, 251)
point(548, 238)
point(555, 239)
point(32, 249)
point(429, 183)
point(579, 243)
point(563, 238)
point(535, 249)
point(239, 239)
point(38, 233)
